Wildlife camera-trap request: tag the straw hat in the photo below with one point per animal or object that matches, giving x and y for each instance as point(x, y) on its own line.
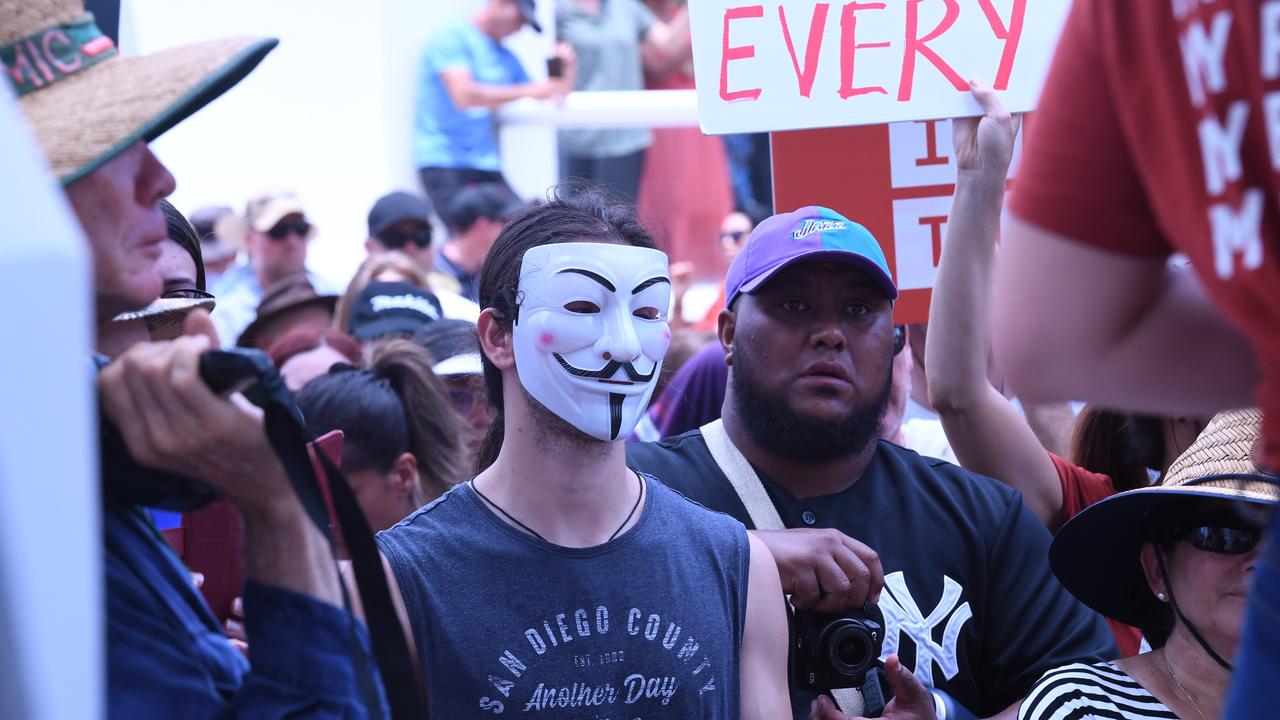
point(1096, 554)
point(86, 102)
point(166, 311)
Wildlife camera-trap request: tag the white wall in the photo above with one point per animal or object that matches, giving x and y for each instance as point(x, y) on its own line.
point(329, 112)
point(51, 606)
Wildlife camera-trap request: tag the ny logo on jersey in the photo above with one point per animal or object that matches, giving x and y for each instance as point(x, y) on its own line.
point(902, 615)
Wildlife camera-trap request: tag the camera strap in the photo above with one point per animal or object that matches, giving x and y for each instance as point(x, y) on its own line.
point(764, 516)
point(286, 432)
point(746, 483)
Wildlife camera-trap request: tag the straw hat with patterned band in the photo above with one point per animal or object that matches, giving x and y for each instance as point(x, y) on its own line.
point(86, 102)
point(1096, 554)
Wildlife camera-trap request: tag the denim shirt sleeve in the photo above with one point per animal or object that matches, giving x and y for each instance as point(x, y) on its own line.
point(167, 656)
point(302, 662)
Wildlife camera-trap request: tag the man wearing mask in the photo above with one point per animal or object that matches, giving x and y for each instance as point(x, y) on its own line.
point(622, 594)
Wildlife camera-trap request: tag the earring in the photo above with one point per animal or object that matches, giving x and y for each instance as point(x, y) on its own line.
point(1161, 597)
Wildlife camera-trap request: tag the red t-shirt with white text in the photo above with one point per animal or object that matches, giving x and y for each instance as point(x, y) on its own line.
point(1159, 132)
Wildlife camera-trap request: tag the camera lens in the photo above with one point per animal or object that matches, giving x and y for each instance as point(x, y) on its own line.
point(848, 646)
point(852, 651)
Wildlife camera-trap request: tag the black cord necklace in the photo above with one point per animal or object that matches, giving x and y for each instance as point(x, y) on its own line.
point(534, 533)
point(1195, 632)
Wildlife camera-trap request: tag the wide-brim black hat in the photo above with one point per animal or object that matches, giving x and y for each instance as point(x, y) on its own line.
point(1096, 554)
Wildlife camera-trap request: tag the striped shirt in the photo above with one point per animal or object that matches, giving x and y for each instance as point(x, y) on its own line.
point(1081, 692)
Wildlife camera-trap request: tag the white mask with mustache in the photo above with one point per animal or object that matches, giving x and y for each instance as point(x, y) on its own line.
point(591, 331)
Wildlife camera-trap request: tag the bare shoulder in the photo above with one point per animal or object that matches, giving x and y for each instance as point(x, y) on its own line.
point(764, 641)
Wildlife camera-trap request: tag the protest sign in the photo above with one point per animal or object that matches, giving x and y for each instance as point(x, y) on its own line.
point(765, 65)
point(897, 180)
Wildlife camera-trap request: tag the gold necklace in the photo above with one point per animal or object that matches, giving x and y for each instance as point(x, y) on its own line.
point(1174, 678)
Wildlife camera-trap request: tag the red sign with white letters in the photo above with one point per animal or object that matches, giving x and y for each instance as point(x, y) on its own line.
point(896, 180)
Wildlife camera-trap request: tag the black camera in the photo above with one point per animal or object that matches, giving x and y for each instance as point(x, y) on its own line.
point(837, 651)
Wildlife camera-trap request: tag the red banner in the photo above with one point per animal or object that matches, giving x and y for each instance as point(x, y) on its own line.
point(896, 179)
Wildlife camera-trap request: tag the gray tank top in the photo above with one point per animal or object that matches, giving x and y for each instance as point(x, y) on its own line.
point(648, 625)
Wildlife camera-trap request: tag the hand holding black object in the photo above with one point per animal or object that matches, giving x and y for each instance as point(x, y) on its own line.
point(171, 420)
point(911, 701)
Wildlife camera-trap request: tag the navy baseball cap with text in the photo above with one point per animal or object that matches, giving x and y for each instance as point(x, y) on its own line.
point(392, 308)
point(810, 233)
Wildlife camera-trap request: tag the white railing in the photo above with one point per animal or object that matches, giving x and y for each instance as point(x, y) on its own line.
point(614, 108)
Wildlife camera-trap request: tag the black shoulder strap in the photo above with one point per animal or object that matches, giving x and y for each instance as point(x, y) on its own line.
point(405, 692)
point(286, 432)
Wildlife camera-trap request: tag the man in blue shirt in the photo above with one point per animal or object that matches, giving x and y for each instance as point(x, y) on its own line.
point(466, 74)
point(165, 654)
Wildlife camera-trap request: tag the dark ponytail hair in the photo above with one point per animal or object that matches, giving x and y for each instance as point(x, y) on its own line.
point(181, 232)
point(396, 406)
point(1119, 445)
point(574, 212)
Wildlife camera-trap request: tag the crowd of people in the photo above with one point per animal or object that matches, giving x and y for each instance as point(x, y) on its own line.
point(591, 502)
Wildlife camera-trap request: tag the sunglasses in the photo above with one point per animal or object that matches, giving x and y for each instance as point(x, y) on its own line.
point(734, 235)
point(394, 239)
point(899, 338)
point(1221, 539)
point(281, 230)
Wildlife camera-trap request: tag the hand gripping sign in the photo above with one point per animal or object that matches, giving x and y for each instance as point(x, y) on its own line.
point(765, 65)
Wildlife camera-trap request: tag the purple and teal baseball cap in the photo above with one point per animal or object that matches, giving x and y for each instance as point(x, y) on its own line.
point(810, 233)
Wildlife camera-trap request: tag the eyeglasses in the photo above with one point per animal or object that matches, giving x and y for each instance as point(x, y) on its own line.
point(281, 230)
point(395, 239)
point(734, 235)
point(186, 293)
point(899, 338)
point(1221, 539)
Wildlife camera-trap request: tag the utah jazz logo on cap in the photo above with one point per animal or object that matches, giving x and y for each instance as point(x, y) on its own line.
point(812, 226)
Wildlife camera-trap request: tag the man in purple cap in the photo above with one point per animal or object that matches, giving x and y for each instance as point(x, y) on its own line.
point(969, 602)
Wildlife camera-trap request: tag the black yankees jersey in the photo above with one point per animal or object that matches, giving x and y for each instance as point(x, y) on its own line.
point(969, 600)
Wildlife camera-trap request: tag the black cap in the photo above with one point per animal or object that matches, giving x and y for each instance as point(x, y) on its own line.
point(384, 308)
point(482, 200)
point(529, 9)
point(396, 207)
